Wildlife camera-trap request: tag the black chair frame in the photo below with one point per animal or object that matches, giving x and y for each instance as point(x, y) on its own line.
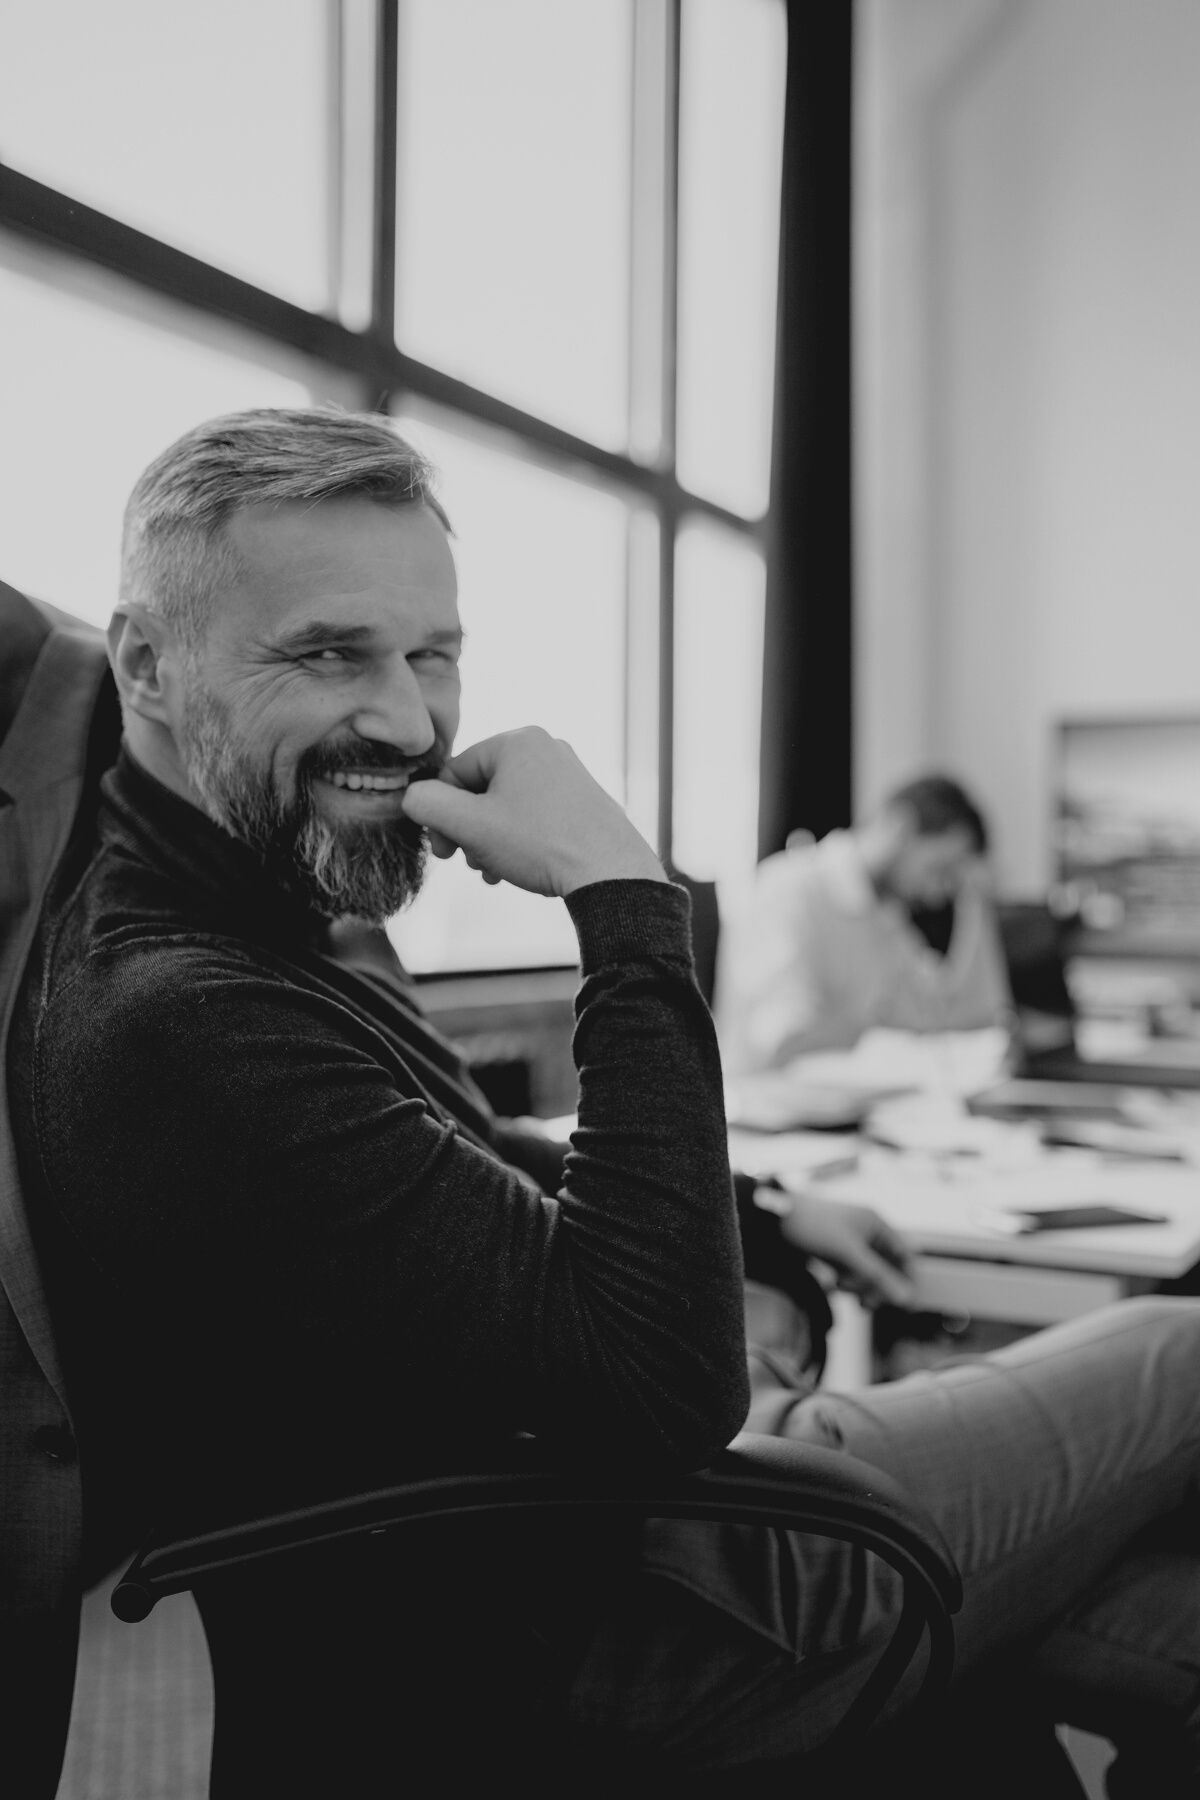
point(758, 1480)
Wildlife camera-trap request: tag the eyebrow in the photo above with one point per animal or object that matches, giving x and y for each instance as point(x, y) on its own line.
point(323, 635)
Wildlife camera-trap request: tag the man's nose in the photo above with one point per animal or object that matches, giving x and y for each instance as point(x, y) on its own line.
point(394, 712)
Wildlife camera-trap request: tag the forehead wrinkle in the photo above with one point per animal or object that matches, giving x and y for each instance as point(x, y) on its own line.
point(322, 631)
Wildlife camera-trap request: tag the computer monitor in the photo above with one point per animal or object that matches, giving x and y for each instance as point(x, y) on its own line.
point(1127, 833)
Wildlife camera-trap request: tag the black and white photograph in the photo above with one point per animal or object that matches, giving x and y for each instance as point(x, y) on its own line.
point(599, 899)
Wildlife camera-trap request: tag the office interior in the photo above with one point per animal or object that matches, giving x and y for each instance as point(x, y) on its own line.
point(845, 354)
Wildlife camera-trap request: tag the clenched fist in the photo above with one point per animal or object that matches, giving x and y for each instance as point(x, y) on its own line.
point(522, 808)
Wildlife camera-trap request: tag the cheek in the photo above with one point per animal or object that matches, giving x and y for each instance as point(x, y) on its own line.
point(444, 711)
point(292, 721)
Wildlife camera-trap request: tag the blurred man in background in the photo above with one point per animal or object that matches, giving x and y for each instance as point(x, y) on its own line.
point(886, 924)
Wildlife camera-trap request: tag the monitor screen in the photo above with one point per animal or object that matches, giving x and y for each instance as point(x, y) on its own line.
point(1127, 832)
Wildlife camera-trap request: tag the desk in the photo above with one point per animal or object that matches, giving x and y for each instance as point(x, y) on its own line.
point(960, 1216)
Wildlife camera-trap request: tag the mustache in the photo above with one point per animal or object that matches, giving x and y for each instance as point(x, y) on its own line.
point(369, 755)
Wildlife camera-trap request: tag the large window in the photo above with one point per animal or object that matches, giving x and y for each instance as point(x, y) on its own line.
point(541, 236)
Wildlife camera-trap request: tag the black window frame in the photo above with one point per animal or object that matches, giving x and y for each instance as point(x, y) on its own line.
point(805, 534)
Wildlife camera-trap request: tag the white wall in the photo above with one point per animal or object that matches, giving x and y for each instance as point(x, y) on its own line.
point(1028, 386)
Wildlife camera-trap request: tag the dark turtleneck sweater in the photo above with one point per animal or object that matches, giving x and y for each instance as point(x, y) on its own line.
point(286, 1242)
point(290, 1252)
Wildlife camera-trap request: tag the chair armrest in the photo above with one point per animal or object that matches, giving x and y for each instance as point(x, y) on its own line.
point(758, 1480)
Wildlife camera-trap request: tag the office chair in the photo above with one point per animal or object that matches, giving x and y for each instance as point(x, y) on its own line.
point(59, 729)
point(757, 1481)
point(59, 732)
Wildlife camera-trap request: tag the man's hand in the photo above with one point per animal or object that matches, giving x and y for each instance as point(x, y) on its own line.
point(976, 881)
point(870, 1258)
point(522, 808)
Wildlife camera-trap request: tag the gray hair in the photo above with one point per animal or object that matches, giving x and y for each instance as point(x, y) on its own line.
point(175, 554)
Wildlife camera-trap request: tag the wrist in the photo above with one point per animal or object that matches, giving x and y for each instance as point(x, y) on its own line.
point(624, 921)
point(635, 866)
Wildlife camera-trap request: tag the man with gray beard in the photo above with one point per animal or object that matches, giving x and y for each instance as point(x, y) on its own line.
point(345, 872)
point(290, 1252)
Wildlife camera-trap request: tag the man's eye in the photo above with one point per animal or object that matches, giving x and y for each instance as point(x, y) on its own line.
point(325, 656)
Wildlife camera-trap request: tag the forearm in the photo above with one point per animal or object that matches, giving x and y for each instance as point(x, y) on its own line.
point(648, 1219)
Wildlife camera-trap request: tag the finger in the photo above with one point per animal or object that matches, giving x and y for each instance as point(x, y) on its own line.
point(891, 1246)
point(886, 1282)
point(442, 846)
point(449, 810)
point(474, 767)
point(447, 774)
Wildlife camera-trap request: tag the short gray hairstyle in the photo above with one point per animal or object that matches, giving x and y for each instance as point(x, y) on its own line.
point(175, 553)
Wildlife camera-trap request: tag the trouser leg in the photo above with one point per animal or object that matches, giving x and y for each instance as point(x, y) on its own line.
point(1038, 1463)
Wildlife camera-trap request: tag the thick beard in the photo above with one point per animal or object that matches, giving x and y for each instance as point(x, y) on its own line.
point(361, 872)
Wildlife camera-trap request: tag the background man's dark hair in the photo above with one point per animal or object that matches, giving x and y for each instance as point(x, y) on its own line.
point(938, 804)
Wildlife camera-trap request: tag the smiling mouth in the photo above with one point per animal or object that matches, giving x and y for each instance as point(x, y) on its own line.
point(364, 782)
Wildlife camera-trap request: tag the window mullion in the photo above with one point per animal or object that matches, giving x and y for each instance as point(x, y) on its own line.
point(669, 509)
point(383, 269)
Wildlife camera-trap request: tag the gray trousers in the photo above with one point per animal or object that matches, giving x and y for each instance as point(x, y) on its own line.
point(1047, 1465)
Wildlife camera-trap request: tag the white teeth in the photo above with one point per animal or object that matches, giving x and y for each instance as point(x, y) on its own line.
point(383, 784)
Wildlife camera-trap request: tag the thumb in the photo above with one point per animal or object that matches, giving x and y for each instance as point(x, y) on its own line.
point(441, 807)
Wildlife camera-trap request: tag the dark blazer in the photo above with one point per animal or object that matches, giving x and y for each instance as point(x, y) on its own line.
point(56, 703)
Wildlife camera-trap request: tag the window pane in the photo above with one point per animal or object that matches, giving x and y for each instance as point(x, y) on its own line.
point(732, 77)
point(204, 125)
point(642, 675)
point(720, 583)
point(87, 390)
point(513, 211)
point(541, 564)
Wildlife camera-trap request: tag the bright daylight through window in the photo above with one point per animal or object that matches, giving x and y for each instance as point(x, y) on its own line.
point(541, 237)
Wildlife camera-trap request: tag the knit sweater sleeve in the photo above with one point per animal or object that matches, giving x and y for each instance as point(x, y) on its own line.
point(245, 1168)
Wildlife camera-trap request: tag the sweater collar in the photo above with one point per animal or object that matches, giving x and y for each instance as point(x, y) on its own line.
point(213, 866)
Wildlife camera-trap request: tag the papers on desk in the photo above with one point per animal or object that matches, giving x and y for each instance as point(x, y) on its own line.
point(940, 1126)
point(836, 1089)
point(956, 1209)
point(793, 1157)
point(980, 1203)
point(1128, 1041)
point(1141, 1123)
point(786, 1101)
point(964, 1183)
point(934, 1062)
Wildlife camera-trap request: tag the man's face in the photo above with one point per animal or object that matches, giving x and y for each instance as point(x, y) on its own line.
point(327, 680)
point(928, 870)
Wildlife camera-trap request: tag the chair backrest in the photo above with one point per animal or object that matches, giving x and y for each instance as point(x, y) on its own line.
point(1035, 954)
point(62, 731)
point(59, 727)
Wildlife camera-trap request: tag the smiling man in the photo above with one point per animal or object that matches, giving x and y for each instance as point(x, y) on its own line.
point(290, 1252)
point(305, 709)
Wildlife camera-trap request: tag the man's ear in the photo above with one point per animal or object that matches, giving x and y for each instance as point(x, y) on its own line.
point(144, 654)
